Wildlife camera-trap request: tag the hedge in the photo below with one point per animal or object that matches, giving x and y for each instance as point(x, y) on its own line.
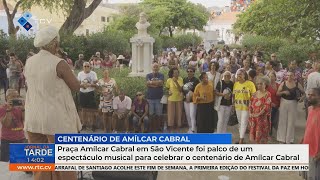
point(285, 49)
point(110, 40)
point(181, 41)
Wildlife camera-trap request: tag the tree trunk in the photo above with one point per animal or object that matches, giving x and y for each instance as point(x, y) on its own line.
point(78, 14)
point(170, 31)
point(12, 30)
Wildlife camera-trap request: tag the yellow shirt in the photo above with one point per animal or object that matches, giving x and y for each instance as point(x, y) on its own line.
point(176, 93)
point(203, 91)
point(242, 94)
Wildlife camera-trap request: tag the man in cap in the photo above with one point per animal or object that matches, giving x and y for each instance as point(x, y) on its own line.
point(313, 80)
point(306, 72)
point(120, 59)
point(49, 106)
point(78, 64)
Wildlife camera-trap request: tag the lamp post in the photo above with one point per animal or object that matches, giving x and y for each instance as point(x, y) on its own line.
point(222, 33)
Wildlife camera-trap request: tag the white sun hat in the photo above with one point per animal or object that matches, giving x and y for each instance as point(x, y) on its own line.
point(45, 36)
point(121, 57)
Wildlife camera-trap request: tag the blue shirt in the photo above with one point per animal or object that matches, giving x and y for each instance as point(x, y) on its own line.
point(155, 93)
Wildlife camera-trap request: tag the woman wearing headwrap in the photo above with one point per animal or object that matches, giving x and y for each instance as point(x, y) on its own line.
point(49, 107)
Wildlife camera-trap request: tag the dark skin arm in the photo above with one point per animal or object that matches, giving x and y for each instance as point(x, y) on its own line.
point(135, 114)
point(64, 72)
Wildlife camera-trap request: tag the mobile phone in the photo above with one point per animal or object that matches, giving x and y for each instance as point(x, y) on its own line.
point(16, 102)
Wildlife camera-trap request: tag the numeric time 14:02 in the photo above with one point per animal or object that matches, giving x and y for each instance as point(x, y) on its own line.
point(35, 160)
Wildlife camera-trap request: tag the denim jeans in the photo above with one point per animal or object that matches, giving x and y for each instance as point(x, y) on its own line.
point(155, 107)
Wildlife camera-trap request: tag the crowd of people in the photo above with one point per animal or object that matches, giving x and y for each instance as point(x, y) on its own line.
point(262, 94)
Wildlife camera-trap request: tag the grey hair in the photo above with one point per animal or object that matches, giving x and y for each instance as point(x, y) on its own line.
point(264, 79)
point(86, 63)
point(227, 73)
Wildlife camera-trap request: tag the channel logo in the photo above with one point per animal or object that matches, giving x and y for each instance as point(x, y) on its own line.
point(23, 20)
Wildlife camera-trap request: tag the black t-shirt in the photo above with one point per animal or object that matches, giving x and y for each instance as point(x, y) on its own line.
point(3, 70)
point(189, 85)
point(226, 88)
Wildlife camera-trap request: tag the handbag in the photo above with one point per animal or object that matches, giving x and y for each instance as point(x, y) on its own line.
point(218, 99)
point(164, 99)
point(298, 93)
point(233, 120)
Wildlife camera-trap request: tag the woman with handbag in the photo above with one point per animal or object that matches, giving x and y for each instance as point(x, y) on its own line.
point(290, 92)
point(223, 103)
point(190, 107)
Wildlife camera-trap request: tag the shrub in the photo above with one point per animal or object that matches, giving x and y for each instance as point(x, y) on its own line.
point(298, 52)
point(185, 40)
point(74, 45)
point(180, 41)
point(231, 46)
point(21, 46)
point(110, 40)
point(167, 42)
point(157, 46)
point(262, 43)
point(4, 44)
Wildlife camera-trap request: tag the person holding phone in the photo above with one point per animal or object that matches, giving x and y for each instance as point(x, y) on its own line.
point(12, 119)
point(203, 96)
point(289, 90)
point(88, 83)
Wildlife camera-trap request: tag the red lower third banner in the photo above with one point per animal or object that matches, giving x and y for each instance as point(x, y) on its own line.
point(31, 167)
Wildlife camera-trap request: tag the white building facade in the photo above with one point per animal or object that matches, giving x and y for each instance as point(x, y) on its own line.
point(223, 26)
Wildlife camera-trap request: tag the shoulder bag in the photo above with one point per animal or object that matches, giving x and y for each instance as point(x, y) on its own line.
point(218, 99)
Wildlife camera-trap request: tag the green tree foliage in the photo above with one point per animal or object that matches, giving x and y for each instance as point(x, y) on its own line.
point(263, 43)
point(286, 51)
point(88, 45)
point(177, 14)
point(165, 14)
point(292, 19)
point(126, 21)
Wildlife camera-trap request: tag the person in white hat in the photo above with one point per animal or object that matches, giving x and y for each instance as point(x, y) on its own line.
point(49, 106)
point(120, 59)
point(306, 72)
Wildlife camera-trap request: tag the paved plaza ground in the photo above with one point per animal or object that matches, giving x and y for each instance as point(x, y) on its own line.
point(300, 125)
